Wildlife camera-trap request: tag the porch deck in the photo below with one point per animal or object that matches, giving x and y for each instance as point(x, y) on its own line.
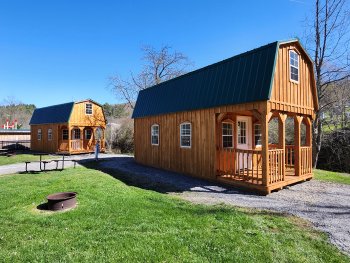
point(244, 168)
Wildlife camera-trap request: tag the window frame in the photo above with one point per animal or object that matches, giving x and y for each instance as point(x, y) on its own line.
point(227, 135)
point(63, 131)
point(86, 109)
point(239, 135)
point(257, 145)
point(74, 133)
point(39, 135)
point(49, 134)
point(187, 135)
point(293, 66)
point(85, 134)
point(157, 135)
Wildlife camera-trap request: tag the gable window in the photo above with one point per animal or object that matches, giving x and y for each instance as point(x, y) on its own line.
point(88, 108)
point(257, 134)
point(49, 134)
point(39, 134)
point(64, 134)
point(294, 65)
point(155, 134)
point(88, 134)
point(185, 135)
point(227, 135)
point(242, 132)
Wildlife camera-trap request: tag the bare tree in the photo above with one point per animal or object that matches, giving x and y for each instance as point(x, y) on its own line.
point(160, 65)
point(328, 42)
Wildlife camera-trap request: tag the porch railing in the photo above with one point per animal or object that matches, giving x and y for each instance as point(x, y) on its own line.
point(76, 145)
point(276, 157)
point(242, 165)
point(305, 160)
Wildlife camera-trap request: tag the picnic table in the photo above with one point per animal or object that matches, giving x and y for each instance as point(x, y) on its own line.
point(44, 162)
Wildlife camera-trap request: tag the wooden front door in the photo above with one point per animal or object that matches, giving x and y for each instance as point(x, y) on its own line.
point(244, 140)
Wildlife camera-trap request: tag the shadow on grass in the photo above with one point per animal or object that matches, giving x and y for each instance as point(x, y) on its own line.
point(129, 172)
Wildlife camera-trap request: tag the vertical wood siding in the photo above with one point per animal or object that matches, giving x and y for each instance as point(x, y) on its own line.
point(290, 96)
point(200, 159)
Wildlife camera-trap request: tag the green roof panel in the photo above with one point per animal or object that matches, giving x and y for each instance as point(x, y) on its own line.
point(240, 79)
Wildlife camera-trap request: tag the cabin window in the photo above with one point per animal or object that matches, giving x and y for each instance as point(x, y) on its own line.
point(88, 108)
point(76, 134)
point(257, 134)
point(49, 134)
point(39, 134)
point(242, 132)
point(64, 134)
point(227, 135)
point(155, 134)
point(185, 135)
point(88, 134)
point(294, 65)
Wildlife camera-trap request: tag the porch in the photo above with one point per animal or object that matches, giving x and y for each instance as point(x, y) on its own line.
point(80, 139)
point(251, 160)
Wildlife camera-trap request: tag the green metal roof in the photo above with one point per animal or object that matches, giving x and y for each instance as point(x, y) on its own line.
point(244, 78)
point(52, 114)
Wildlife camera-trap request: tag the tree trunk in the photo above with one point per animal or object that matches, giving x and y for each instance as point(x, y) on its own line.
point(317, 138)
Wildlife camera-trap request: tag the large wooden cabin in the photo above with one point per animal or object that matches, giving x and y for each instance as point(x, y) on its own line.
point(69, 128)
point(213, 123)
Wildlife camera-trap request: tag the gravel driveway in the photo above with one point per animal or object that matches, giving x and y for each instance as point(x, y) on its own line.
point(326, 205)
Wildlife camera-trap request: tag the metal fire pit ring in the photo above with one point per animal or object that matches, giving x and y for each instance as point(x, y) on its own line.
point(61, 201)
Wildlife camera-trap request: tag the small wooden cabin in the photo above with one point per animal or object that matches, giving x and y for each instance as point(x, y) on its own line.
point(70, 128)
point(213, 123)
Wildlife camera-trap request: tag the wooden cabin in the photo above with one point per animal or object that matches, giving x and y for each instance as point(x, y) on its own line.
point(213, 123)
point(69, 128)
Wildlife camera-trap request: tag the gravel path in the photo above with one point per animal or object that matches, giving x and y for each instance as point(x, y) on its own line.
point(326, 205)
point(35, 166)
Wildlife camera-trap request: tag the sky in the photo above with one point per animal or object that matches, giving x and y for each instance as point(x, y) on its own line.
point(53, 52)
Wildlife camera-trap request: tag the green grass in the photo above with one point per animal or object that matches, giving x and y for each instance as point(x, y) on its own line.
point(335, 177)
point(21, 158)
point(114, 222)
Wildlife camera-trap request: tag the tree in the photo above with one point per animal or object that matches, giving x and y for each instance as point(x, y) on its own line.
point(329, 45)
point(160, 65)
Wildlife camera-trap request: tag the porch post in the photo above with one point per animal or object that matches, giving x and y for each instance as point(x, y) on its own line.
point(282, 139)
point(297, 144)
point(69, 137)
point(265, 117)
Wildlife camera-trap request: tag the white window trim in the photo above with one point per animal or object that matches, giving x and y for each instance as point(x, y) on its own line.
point(49, 134)
point(257, 145)
point(186, 146)
point(290, 65)
point(154, 125)
point(39, 135)
point(232, 135)
point(92, 107)
point(239, 135)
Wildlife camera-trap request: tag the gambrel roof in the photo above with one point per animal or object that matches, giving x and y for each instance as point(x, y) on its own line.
point(55, 114)
point(244, 78)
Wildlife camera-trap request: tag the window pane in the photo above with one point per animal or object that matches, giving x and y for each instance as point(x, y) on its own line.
point(227, 141)
point(186, 140)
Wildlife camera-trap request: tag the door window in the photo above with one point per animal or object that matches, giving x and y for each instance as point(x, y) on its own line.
point(242, 132)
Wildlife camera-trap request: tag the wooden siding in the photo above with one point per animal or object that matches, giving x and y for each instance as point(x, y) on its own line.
point(79, 118)
point(44, 145)
point(288, 95)
point(200, 159)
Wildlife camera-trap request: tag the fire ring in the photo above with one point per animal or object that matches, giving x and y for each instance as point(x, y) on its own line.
point(61, 201)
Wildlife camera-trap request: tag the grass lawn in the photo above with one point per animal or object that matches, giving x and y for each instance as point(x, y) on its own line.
point(21, 158)
point(335, 177)
point(115, 222)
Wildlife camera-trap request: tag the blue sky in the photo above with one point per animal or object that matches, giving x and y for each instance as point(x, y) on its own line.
point(58, 51)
